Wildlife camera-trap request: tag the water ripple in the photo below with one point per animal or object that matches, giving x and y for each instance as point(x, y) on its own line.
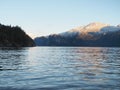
point(56, 68)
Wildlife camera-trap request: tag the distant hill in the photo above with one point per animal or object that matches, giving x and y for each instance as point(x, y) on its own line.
point(14, 37)
point(93, 34)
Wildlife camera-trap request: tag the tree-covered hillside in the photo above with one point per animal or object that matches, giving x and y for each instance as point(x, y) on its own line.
point(14, 36)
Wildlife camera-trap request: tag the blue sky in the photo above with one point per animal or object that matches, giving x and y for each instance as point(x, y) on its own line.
point(43, 17)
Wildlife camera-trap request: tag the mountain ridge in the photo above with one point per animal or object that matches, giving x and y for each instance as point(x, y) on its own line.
point(93, 34)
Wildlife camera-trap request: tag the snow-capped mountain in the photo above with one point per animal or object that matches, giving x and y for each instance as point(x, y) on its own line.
point(92, 27)
point(118, 25)
point(93, 34)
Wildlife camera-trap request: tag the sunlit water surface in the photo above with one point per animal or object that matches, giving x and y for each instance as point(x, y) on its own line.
point(56, 68)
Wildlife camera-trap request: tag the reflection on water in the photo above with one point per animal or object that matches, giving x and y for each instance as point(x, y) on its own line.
point(56, 68)
point(11, 58)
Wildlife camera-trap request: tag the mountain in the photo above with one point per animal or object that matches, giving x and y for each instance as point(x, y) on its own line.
point(92, 27)
point(93, 34)
point(14, 37)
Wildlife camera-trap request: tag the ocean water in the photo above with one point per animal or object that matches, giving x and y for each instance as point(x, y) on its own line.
point(60, 68)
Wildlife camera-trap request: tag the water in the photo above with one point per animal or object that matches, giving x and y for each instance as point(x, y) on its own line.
point(56, 68)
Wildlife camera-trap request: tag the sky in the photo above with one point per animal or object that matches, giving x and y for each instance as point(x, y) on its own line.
point(44, 17)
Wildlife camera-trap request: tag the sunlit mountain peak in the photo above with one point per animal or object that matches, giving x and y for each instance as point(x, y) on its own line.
point(92, 27)
point(118, 25)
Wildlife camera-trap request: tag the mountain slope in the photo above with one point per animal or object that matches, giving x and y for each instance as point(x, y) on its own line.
point(14, 37)
point(93, 34)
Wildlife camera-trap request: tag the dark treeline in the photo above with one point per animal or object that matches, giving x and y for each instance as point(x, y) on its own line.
point(109, 39)
point(14, 36)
